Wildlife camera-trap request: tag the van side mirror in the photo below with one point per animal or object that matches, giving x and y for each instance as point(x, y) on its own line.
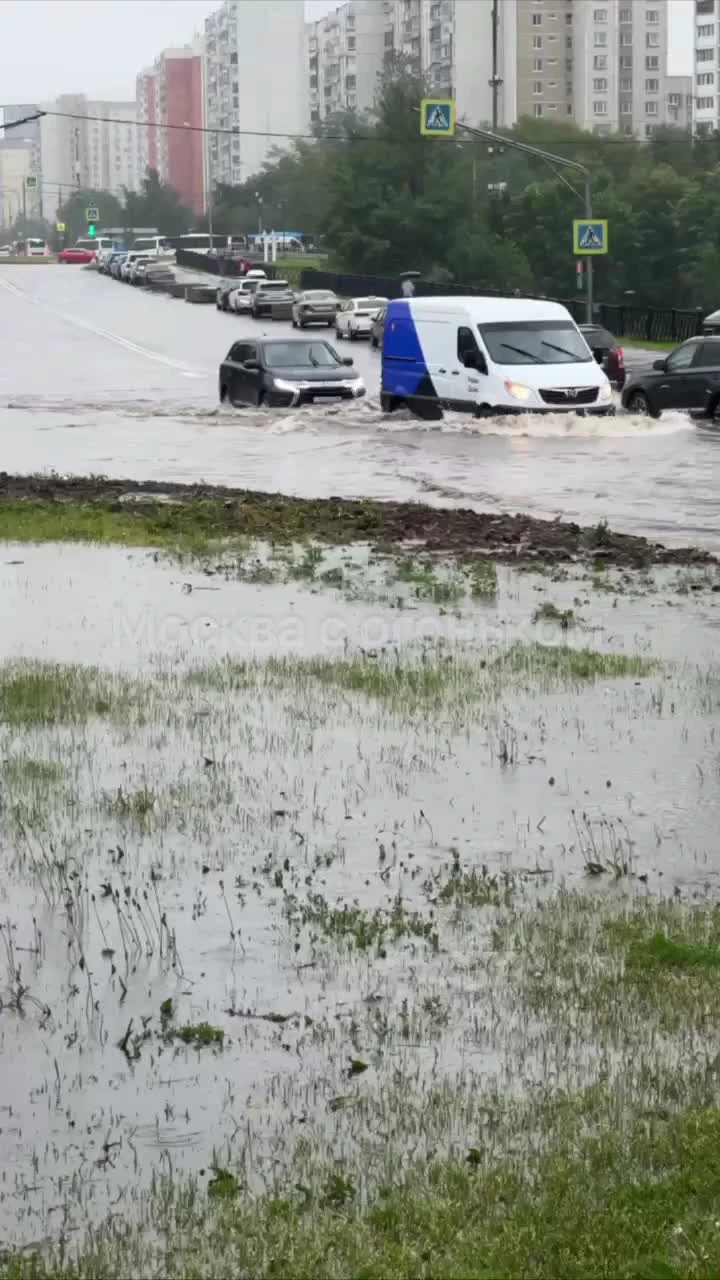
point(660, 365)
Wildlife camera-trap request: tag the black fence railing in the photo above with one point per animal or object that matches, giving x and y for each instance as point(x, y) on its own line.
point(220, 264)
point(646, 324)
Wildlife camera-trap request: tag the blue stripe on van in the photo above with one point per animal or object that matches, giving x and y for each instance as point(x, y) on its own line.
point(403, 361)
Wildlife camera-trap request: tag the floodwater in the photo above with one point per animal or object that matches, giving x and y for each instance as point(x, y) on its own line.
point(201, 845)
point(100, 378)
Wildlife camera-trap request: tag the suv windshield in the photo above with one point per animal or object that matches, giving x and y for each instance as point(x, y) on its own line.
point(535, 342)
point(295, 355)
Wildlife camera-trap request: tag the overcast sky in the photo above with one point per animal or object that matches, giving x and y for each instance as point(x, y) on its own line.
point(48, 47)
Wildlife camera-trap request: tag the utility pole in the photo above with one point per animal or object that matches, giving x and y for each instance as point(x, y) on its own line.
point(496, 80)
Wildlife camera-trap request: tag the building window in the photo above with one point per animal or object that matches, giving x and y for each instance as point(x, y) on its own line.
point(600, 86)
point(626, 37)
point(651, 108)
point(233, 59)
point(626, 62)
point(626, 15)
point(649, 130)
point(537, 64)
point(537, 109)
point(704, 104)
point(625, 108)
point(705, 29)
point(652, 40)
point(652, 16)
point(599, 15)
point(568, 42)
point(351, 42)
point(537, 19)
point(704, 55)
point(600, 62)
point(568, 19)
point(600, 39)
point(625, 85)
point(600, 108)
point(537, 87)
point(537, 42)
point(653, 64)
point(652, 86)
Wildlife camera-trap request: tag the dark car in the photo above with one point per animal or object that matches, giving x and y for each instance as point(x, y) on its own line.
point(377, 328)
point(688, 378)
point(607, 353)
point(286, 371)
point(315, 306)
point(273, 298)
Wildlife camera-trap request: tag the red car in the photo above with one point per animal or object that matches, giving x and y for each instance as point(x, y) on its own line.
point(76, 255)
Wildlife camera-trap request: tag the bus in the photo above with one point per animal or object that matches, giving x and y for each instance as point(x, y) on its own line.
point(34, 248)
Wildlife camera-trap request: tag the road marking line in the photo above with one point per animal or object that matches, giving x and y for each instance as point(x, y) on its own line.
point(119, 341)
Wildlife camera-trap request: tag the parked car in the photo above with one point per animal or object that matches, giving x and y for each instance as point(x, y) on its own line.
point(273, 298)
point(688, 378)
point(377, 328)
point(240, 300)
point(256, 273)
point(607, 353)
point(117, 263)
point(286, 372)
point(76, 255)
point(355, 316)
point(222, 295)
point(315, 306)
point(130, 260)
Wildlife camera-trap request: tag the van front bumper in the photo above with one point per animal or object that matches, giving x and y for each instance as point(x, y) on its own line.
point(506, 410)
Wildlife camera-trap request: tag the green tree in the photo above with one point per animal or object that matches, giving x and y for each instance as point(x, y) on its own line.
point(72, 212)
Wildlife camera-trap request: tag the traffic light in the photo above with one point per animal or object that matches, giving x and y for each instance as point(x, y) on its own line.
point(91, 230)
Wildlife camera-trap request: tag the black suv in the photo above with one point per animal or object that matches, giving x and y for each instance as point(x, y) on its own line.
point(287, 371)
point(688, 378)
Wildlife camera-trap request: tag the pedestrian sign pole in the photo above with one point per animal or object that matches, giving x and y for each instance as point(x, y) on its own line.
point(590, 240)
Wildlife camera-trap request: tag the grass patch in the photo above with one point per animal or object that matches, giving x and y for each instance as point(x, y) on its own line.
point(561, 662)
point(38, 693)
point(646, 344)
point(25, 770)
point(194, 527)
point(549, 612)
point(631, 1205)
point(348, 924)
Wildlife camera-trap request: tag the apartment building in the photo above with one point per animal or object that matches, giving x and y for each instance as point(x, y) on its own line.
point(170, 99)
point(92, 144)
point(345, 57)
point(24, 138)
point(600, 63)
point(16, 166)
point(706, 105)
point(256, 84)
point(451, 42)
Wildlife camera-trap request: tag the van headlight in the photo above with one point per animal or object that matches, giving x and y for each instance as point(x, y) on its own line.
point(606, 391)
point(518, 391)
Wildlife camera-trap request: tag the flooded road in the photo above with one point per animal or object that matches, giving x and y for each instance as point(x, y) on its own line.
point(100, 378)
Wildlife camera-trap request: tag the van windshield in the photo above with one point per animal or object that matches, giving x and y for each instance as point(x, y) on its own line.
point(535, 342)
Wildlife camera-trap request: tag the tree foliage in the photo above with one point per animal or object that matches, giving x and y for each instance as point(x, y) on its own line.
point(386, 200)
point(155, 205)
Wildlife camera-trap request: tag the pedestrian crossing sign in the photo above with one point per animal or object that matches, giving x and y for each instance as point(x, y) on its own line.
point(590, 236)
point(437, 117)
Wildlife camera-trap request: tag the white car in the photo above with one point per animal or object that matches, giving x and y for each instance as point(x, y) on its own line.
point(130, 261)
point(355, 317)
point(240, 298)
point(255, 274)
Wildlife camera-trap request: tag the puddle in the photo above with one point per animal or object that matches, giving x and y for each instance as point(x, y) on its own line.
point(279, 844)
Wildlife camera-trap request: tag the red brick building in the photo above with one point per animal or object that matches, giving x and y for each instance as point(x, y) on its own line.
point(171, 93)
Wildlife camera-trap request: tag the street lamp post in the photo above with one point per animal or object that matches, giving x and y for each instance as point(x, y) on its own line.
point(487, 135)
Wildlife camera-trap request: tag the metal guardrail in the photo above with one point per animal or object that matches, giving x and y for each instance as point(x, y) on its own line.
point(646, 324)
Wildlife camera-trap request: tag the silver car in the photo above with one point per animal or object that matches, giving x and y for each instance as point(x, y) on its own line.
point(315, 306)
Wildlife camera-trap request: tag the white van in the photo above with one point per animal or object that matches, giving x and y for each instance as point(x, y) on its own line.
point(488, 356)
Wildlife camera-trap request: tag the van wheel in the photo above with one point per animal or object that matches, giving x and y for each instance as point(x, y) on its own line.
point(338, 334)
point(713, 409)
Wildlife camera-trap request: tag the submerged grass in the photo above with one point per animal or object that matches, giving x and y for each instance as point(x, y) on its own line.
point(34, 693)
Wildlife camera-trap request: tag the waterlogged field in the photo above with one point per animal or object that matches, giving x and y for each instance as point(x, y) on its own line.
point(380, 939)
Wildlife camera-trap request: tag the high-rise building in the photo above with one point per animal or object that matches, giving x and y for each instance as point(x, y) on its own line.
point(169, 100)
point(256, 84)
point(345, 57)
point(600, 63)
point(706, 107)
point(91, 144)
point(24, 138)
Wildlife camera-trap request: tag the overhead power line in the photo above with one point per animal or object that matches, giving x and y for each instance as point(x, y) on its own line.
point(592, 139)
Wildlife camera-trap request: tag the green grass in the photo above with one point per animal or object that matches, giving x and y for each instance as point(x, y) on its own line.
point(559, 662)
point(193, 527)
point(634, 1205)
point(37, 693)
point(647, 345)
point(24, 770)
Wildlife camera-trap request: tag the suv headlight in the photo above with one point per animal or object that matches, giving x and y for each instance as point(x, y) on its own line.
point(280, 384)
point(605, 391)
point(356, 384)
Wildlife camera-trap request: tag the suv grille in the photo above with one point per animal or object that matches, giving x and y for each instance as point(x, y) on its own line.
point(559, 395)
